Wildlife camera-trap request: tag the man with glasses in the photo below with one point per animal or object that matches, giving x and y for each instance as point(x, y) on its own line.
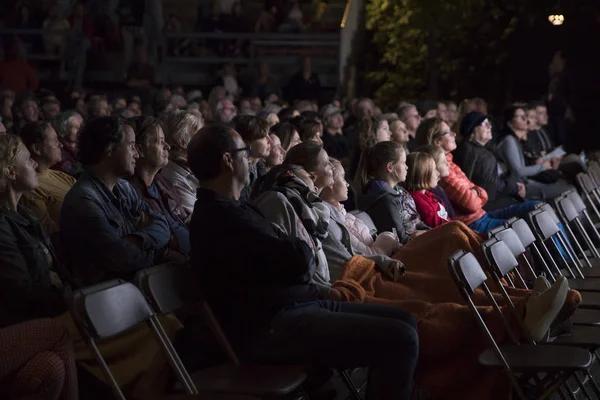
point(257, 281)
point(225, 111)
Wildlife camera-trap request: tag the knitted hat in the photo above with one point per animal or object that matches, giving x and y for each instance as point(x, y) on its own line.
point(471, 121)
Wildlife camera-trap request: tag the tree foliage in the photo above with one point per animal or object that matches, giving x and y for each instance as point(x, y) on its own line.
point(439, 48)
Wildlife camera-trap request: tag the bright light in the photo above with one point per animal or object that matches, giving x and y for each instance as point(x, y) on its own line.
point(556, 19)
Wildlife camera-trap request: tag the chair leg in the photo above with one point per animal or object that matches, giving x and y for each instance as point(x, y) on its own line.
point(581, 385)
point(353, 391)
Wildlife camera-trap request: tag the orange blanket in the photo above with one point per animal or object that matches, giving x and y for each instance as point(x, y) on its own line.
point(450, 339)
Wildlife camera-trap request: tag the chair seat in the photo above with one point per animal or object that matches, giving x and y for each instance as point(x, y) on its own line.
point(586, 317)
point(538, 358)
point(580, 336)
point(255, 380)
point(209, 396)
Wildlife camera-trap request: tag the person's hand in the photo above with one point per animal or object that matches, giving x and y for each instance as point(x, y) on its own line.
point(475, 192)
point(144, 221)
point(555, 162)
point(539, 160)
point(396, 270)
point(55, 280)
point(335, 295)
point(522, 190)
point(416, 233)
point(547, 164)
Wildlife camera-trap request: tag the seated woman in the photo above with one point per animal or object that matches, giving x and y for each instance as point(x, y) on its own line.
point(512, 151)
point(467, 198)
point(287, 134)
point(426, 289)
point(370, 131)
point(423, 176)
point(481, 164)
point(179, 128)
point(31, 281)
point(37, 362)
point(46, 200)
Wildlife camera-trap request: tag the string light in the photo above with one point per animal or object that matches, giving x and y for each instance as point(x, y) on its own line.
point(557, 19)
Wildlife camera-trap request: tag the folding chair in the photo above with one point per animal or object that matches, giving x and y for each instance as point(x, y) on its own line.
point(111, 308)
point(501, 263)
point(546, 229)
point(590, 191)
point(587, 314)
point(533, 371)
point(594, 172)
point(169, 287)
point(571, 217)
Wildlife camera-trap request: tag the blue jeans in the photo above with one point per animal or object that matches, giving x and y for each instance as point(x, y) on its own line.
point(496, 218)
point(347, 335)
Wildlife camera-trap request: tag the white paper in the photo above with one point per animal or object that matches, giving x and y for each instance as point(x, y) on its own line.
point(557, 152)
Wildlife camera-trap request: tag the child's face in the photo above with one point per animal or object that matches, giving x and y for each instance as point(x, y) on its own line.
point(442, 166)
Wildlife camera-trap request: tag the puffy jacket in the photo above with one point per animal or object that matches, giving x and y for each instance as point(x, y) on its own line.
point(468, 206)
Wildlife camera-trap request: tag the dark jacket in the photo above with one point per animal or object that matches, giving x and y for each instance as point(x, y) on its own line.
point(172, 203)
point(26, 291)
point(336, 146)
point(385, 209)
point(95, 223)
point(480, 165)
point(249, 270)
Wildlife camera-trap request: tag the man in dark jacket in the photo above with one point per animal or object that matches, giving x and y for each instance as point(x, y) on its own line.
point(106, 230)
point(257, 281)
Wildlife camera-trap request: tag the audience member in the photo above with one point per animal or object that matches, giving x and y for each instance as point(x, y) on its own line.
point(179, 127)
point(410, 116)
point(67, 125)
point(50, 107)
point(98, 107)
point(46, 200)
point(287, 134)
point(288, 298)
point(255, 132)
point(335, 143)
point(15, 72)
point(225, 111)
point(154, 188)
point(305, 84)
point(25, 109)
point(106, 230)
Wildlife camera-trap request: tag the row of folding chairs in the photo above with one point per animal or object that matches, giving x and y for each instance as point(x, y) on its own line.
point(110, 309)
point(541, 234)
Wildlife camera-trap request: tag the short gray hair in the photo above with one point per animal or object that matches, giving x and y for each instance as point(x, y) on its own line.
point(62, 120)
point(179, 126)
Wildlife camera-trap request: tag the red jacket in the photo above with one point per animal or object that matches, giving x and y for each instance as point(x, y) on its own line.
point(468, 206)
point(430, 208)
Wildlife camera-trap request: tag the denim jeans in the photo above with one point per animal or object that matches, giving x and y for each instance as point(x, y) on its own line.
point(347, 335)
point(494, 219)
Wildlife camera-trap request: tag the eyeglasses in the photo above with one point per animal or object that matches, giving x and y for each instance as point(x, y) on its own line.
point(246, 149)
point(520, 116)
point(486, 124)
point(440, 134)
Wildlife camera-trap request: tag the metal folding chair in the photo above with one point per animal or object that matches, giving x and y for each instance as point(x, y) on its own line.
point(534, 371)
point(111, 308)
point(501, 263)
point(590, 191)
point(588, 313)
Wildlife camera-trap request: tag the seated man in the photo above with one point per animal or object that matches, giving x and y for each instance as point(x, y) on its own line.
point(46, 200)
point(106, 230)
point(154, 188)
point(257, 281)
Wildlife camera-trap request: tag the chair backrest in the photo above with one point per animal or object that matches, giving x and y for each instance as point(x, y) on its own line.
point(492, 232)
point(544, 224)
point(466, 271)
point(585, 182)
point(169, 287)
point(548, 208)
point(366, 219)
point(567, 208)
point(577, 201)
point(512, 241)
point(523, 231)
point(499, 256)
point(111, 308)
point(594, 172)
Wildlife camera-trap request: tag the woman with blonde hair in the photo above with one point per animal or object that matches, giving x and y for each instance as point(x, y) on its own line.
point(179, 128)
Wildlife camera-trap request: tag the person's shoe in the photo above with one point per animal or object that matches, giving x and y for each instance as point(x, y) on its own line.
point(540, 285)
point(541, 309)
